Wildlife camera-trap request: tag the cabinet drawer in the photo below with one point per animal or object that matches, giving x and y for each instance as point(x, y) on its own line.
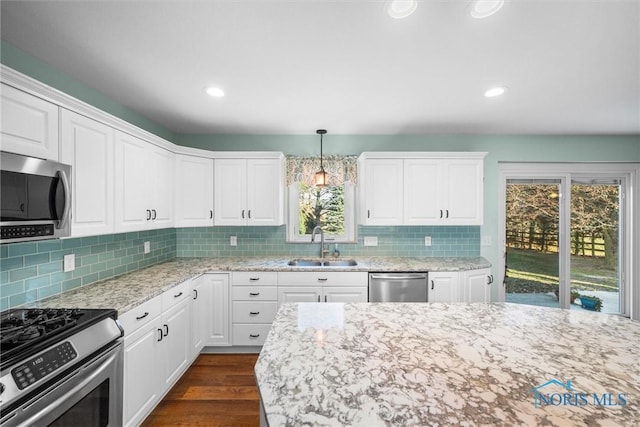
point(250, 334)
point(254, 312)
point(139, 316)
point(254, 278)
point(176, 294)
point(254, 293)
point(321, 278)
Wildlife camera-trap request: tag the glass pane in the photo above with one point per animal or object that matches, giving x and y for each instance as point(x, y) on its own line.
point(532, 239)
point(321, 206)
point(595, 243)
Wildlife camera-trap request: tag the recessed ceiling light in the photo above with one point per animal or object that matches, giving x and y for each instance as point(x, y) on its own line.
point(401, 8)
point(485, 8)
point(495, 91)
point(214, 91)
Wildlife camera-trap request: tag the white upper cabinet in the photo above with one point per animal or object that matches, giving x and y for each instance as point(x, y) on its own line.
point(382, 195)
point(144, 184)
point(421, 188)
point(249, 191)
point(88, 146)
point(194, 191)
point(29, 124)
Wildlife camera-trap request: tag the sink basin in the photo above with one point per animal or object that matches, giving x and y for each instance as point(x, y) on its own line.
point(341, 263)
point(316, 263)
point(304, 263)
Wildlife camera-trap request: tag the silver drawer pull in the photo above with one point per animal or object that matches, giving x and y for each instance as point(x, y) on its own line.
point(179, 295)
point(254, 335)
point(146, 313)
point(254, 294)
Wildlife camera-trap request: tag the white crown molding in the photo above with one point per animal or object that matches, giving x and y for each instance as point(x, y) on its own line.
point(423, 154)
point(37, 88)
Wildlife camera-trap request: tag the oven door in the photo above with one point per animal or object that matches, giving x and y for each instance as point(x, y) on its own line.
point(89, 395)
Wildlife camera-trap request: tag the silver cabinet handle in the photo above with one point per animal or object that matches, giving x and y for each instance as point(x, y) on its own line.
point(146, 313)
point(398, 277)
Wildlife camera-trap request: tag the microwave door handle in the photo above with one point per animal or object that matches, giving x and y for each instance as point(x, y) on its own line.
point(62, 223)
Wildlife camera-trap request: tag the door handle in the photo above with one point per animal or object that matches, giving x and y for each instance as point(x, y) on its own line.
point(432, 285)
point(166, 330)
point(196, 294)
point(154, 214)
point(67, 200)
point(249, 213)
point(368, 213)
point(325, 298)
point(148, 214)
point(242, 213)
point(160, 330)
point(318, 298)
point(447, 213)
point(146, 313)
point(440, 213)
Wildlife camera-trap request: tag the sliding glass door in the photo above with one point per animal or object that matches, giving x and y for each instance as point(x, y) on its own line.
point(565, 234)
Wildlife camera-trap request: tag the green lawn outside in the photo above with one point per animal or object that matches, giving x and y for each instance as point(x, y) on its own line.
point(532, 271)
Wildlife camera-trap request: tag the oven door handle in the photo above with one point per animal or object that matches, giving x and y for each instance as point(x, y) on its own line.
point(77, 389)
point(62, 223)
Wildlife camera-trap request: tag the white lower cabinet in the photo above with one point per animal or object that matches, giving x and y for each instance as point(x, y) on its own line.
point(157, 350)
point(477, 285)
point(210, 315)
point(444, 286)
point(320, 286)
point(254, 306)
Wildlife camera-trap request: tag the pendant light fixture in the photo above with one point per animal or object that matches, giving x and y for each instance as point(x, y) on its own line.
point(321, 177)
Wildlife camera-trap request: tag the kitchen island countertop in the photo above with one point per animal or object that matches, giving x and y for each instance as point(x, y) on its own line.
point(449, 364)
point(129, 290)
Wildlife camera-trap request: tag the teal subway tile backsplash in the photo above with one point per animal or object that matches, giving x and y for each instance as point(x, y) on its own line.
point(406, 241)
point(32, 271)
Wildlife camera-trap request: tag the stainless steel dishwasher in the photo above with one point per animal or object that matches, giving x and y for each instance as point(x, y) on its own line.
point(398, 287)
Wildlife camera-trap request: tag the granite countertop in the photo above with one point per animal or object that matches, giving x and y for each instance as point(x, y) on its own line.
point(132, 289)
point(448, 364)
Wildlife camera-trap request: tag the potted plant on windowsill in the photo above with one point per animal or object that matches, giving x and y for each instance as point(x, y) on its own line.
point(591, 303)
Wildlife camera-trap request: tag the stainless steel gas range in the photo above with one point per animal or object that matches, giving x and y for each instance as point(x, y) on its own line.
point(60, 367)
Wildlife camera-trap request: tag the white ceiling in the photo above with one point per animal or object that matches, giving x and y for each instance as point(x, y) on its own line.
point(290, 67)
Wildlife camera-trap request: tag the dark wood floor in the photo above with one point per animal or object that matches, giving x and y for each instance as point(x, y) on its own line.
point(217, 390)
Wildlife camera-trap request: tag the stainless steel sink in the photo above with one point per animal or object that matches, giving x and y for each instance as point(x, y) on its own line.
point(304, 263)
point(316, 263)
point(341, 263)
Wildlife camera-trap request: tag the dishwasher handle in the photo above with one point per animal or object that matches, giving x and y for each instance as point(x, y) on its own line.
point(404, 276)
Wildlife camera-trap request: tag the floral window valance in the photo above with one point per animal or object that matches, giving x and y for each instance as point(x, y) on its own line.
point(340, 169)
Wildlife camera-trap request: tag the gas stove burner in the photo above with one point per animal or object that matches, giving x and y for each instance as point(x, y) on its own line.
point(23, 326)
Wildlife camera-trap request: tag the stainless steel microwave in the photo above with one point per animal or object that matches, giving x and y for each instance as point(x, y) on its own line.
point(35, 199)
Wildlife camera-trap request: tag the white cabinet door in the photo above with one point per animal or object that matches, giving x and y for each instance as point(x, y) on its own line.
point(218, 327)
point(144, 185)
point(176, 341)
point(230, 192)
point(299, 294)
point(200, 314)
point(463, 192)
point(161, 187)
point(88, 146)
point(477, 285)
point(142, 380)
point(345, 294)
point(29, 124)
point(422, 183)
point(131, 192)
point(444, 286)
point(382, 192)
point(193, 199)
point(264, 192)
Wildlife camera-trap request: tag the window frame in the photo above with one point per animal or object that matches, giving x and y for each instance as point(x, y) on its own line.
point(293, 210)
